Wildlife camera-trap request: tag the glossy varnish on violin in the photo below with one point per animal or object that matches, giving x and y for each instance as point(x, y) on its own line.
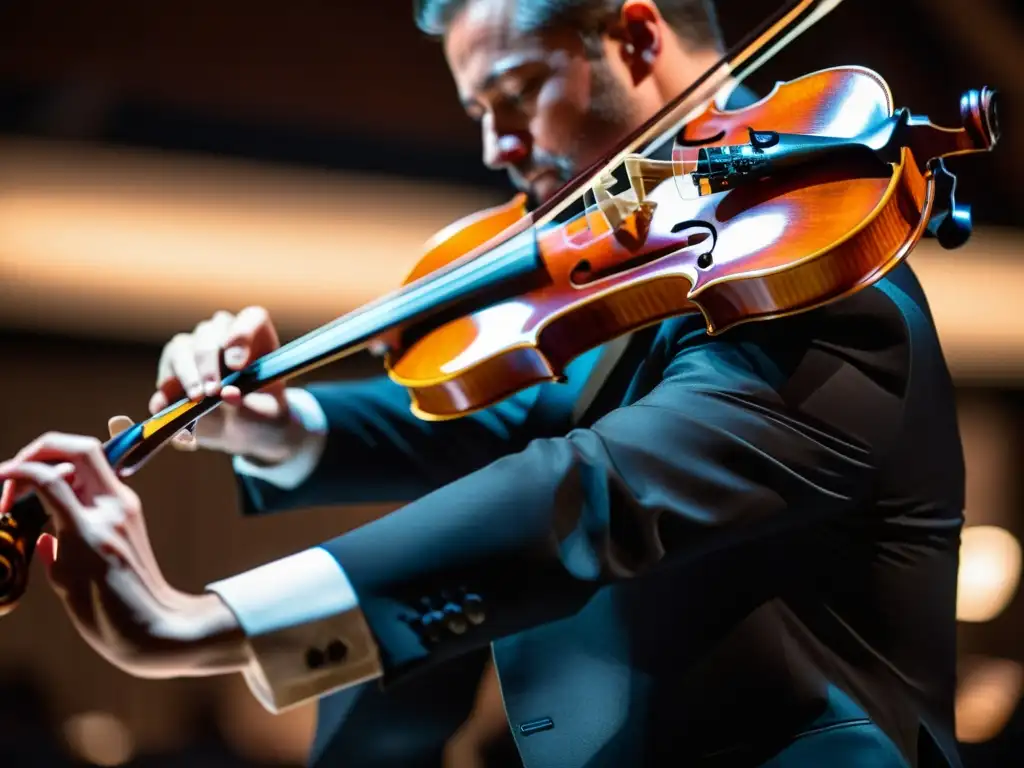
point(768, 249)
point(796, 201)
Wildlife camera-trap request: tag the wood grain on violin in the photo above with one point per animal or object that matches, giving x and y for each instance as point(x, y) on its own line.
point(800, 199)
point(767, 247)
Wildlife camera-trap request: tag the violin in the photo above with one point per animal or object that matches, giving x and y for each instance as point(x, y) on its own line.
point(809, 195)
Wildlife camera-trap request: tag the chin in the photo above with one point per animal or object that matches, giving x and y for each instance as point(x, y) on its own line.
point(544, 189)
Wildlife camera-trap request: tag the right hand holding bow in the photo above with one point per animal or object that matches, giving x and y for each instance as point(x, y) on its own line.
point(258, 425)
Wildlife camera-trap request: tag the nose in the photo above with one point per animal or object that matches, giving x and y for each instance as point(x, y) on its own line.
point(505, 150)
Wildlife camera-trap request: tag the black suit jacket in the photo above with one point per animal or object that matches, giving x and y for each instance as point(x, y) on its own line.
point(746, 540)
point(742, 553)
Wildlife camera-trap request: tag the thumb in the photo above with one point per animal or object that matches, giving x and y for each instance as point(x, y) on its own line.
point(266, 405)
point(118, 424)
point(8, 496)
point(46, 547)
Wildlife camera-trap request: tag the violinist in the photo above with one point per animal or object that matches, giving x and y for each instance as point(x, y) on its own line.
point(733, 550)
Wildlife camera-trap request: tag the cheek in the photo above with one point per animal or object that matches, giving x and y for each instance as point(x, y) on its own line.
point(561, 108)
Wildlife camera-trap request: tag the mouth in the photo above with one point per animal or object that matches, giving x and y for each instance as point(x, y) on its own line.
point(547, 178)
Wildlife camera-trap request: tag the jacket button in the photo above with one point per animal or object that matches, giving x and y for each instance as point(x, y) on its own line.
point(454, 620)
point(473, 608)
point(431, 623)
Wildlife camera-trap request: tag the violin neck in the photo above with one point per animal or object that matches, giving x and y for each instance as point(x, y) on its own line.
point(463, 287)
point(484, 276)
point(468, 285)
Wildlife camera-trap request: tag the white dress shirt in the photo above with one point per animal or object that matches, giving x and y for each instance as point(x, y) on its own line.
point(306, 632)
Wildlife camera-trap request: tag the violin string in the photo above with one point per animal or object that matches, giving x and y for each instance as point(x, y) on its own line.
point(359, 327)
point(788, 24)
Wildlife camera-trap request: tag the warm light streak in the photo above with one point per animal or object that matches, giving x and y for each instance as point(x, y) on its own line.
point(99, 738)
point(986, 698)
point(990, 564)
point(496, 325)
point(988, 439)
point(137, 244)
point(142, 245)
point(851, 119)
point(751, 233)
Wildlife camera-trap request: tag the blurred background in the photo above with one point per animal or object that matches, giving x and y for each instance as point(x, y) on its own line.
point(161, 161)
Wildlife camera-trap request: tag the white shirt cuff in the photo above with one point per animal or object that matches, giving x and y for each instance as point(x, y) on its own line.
point(290, 474)
point(306, 631)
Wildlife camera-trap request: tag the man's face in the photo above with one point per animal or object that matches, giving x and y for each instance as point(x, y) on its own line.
point(546, 108)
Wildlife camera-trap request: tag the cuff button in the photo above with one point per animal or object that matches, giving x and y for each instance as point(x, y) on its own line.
point(336, 651)
point(314, 658)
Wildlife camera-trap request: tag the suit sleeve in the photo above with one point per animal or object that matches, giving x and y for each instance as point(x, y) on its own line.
point(759, 433)
point(366, 446)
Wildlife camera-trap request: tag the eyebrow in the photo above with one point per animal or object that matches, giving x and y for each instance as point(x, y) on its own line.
point(501, 68)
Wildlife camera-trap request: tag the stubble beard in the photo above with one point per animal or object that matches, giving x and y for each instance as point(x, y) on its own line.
point(608, 120)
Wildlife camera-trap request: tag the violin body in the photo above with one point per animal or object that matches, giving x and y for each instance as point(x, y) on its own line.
point(779, 245)
point(807, 196)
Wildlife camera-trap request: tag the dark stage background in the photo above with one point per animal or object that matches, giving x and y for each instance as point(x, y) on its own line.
point(159, 161)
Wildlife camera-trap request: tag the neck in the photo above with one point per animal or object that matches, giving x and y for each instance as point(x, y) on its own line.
point(678, 67)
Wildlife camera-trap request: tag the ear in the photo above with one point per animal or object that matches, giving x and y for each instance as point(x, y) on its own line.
point(639, 32)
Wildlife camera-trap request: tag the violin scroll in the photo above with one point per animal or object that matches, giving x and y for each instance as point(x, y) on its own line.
point(19, 532)
point(979, 112)
point(950, 221)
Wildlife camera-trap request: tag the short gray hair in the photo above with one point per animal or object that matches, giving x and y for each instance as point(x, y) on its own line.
point(694, 21)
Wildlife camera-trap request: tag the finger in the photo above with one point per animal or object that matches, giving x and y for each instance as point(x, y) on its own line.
point(177, 373)
point(52, 489)
point(46, 551)
point(267, 405)
point(208, 345)
point(118, 424)
point(8, 496)
point(14, 491)
point(231, 395)
point(158, 402)
point(81, 462)
point(167, 385)
point(185, 370)
point(85, 453)
point(60, 579)
point(185, 441)
point(251, 335)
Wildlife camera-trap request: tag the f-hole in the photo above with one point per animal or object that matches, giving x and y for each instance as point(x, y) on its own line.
point(694, 232)
point(682, 141)
point(700, 231)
